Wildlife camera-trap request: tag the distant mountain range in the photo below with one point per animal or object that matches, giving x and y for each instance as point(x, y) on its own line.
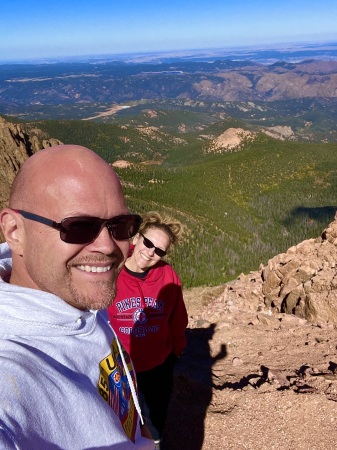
point(301, 95)
point(115, 82)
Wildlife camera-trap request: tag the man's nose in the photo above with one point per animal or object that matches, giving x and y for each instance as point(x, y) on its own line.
point(105, 241)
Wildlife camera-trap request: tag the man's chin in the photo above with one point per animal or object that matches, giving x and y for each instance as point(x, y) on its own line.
point(100, 298)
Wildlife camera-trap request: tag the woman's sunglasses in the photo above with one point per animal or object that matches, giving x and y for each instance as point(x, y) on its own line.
point(84, 230)
point(158, 251)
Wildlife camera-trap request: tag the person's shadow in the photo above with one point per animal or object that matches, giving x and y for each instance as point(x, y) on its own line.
point(192, 392)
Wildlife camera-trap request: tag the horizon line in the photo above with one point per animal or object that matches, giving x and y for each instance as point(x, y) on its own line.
point(125, 56)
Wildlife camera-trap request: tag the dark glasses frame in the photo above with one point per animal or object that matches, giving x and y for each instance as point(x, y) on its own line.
point(85, 229)
point(149, 244)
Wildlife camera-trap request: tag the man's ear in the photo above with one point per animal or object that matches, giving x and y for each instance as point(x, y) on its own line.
point(12, 228)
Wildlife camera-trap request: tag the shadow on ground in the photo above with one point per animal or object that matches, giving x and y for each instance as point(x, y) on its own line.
point(192, 392)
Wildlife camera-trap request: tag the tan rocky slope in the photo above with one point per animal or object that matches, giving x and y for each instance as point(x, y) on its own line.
point(260, 368)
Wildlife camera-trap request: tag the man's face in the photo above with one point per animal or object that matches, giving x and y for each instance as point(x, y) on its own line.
point(84, 275)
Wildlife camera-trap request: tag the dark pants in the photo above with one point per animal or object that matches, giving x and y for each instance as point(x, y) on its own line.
point(155, 388)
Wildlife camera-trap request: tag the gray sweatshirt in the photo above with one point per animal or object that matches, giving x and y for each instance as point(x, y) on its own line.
point(65, 382)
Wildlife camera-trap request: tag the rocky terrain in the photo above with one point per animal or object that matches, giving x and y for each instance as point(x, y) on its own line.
point(260, 368)
point(279, 81)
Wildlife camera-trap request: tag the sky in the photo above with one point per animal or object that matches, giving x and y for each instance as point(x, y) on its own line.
point(34, 29)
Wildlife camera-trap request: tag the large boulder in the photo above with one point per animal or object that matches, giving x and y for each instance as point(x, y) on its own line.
point(303, 281)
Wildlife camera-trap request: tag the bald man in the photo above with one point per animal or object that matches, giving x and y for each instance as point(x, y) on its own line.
point(66, 383)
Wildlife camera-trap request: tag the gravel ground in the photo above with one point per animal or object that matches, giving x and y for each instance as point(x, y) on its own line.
point(250, 383)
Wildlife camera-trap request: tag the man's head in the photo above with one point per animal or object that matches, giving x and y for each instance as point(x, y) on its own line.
point(57, 183)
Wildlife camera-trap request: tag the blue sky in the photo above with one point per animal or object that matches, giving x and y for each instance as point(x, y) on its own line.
point(42, 28)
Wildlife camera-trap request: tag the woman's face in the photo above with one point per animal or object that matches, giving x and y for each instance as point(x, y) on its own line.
point(143, 257)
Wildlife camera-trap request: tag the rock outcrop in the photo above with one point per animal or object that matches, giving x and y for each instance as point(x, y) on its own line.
point(301, 282)
point(16, 145)
point(233, 139)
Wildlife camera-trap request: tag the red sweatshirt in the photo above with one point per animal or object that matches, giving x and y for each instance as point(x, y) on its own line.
point(149, 315)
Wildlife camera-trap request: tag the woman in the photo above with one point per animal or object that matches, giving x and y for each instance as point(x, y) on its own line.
point(149, 316)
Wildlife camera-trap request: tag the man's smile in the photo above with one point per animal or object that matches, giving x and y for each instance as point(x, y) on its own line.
point(100, 269)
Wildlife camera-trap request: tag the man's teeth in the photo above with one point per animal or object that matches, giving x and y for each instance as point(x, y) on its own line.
point(94, 268)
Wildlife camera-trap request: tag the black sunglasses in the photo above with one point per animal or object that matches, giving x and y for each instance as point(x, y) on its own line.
point(84, 229)
point(158, 251)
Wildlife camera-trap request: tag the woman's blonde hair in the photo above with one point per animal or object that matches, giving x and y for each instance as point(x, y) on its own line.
point(173, 228)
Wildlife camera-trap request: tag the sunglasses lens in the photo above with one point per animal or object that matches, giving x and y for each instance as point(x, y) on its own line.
point(160, 252)
point(80, 230)
point(148, 244)
point(124, 227)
